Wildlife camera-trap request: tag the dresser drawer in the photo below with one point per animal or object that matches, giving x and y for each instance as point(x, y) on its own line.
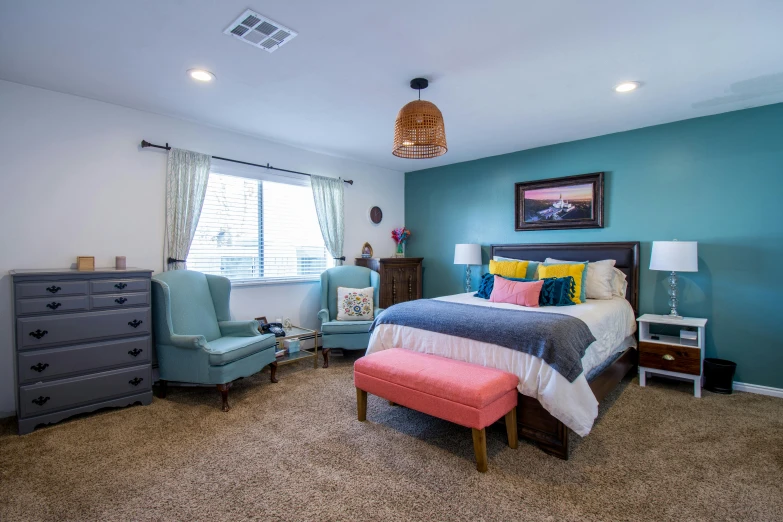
point(119, 300)
point(33, 332)
point(57, 362)
point(109, 286)
point(50, 305)
point(51, 288)
point(35, 399)
point(670, 357)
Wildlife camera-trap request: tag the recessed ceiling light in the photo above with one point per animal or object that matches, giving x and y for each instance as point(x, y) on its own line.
point(201, 75)
point(627, 86)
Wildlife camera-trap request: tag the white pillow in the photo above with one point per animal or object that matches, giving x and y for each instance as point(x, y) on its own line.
point(354, 304)
point(619, 284)
point(598, 283)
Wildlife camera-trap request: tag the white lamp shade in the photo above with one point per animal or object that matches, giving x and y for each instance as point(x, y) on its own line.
point(675, 256)
point(467, 254)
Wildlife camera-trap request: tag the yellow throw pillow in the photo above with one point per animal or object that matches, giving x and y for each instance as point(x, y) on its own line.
point(574, 271)
point(516, 269)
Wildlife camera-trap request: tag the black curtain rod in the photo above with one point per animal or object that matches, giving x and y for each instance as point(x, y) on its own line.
point(145, 144)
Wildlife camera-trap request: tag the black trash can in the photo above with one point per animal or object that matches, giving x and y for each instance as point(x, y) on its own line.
point(719, 375)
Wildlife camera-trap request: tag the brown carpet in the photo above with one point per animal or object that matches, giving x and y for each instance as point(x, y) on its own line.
point(294, 451)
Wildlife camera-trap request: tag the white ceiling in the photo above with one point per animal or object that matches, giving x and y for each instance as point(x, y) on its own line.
point(507, 75)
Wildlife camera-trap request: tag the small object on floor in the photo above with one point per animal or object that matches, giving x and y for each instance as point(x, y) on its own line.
point(440, 387)
point(719, 375)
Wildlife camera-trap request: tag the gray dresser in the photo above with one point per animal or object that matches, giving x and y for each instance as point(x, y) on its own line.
point(82, 342)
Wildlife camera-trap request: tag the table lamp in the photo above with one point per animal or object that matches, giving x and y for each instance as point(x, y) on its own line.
point(467, 254)
point(674, 256)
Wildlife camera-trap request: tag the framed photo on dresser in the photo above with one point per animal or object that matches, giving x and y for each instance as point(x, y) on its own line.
point(560, 203)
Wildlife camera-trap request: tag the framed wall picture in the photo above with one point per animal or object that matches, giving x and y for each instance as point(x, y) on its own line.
point(559, 203)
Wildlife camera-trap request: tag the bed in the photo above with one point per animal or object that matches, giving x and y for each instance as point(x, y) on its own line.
point(550, 406)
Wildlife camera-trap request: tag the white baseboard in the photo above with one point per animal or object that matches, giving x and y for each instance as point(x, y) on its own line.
point(4, 414)
point(757, 388)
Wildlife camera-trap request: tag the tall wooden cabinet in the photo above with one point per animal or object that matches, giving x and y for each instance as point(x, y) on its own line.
point(400, 278)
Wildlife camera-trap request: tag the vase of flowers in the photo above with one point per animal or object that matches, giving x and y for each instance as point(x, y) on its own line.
point(400, 236)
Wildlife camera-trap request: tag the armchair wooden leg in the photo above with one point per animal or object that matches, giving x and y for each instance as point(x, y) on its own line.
point(480, 448)
point(162, 388)
point(326, 351)
point(273, 372)
point(223, 389)
point(361, 404)
point(511, 428)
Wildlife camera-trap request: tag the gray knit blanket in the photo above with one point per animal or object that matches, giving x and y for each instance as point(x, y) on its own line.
point(560, 340)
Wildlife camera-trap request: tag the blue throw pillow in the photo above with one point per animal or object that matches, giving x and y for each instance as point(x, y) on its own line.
point(556, 291)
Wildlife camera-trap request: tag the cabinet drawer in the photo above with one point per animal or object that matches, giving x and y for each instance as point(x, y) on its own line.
point(50, 305)
point(670, 357)
point(33, 332)
point(58, 362)
point(108, 286)
point(119, 300)
point(50, 288)
point(35, 399)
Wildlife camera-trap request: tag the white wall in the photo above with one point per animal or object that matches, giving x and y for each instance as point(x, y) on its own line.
point(74, 181)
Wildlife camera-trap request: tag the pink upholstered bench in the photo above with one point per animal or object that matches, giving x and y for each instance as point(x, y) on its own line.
point(466, 394)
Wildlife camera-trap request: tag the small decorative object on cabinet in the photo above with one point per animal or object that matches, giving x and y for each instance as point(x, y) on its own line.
point(671, 355)
point(400, 237)
point(367, 250)
point(120, 263)
point(85, 263)
point(674, 256)
point(467, 254)
point(82, 342)
point(401, 278)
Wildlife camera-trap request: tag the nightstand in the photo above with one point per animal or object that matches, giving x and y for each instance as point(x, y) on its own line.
point(668, 355)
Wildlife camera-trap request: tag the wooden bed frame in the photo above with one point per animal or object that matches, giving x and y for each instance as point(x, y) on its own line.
point(534, 422)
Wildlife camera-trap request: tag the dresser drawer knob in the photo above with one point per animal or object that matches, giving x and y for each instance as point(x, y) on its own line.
point(120, 285)
point(40, 401)
point(668, 357)
point(135, 381)
point(53, 289)
point(120, 300)
point(135, 352)
point(38, 333)
point(135, 323)
point(40, 367)
point(54, 305)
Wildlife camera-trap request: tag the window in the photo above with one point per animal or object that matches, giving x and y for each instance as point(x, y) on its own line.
point(258, 229)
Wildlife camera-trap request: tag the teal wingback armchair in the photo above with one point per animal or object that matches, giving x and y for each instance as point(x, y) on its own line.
point(348, 335)
point(195, 339)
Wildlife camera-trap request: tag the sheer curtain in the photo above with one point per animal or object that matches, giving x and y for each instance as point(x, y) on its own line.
point(328, 196)
point(187, 174)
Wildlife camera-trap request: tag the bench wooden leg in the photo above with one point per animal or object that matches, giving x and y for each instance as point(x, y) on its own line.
point(480, 448)
point(361, 404)
point(511, 428)
point(392, 403)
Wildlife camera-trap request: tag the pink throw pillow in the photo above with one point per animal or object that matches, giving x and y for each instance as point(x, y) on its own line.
point(516, 292)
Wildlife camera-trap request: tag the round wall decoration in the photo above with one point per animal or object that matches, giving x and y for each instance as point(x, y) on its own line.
point(376, 215)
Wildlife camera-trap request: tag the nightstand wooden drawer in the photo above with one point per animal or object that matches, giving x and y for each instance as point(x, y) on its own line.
point(670, 357)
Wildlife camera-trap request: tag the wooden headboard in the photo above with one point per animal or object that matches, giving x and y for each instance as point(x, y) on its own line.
point(625, 254)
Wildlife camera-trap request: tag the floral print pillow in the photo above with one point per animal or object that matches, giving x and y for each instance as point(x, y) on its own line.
point(354, 304)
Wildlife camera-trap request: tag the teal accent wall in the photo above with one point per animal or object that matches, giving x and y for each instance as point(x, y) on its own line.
point(717, 180)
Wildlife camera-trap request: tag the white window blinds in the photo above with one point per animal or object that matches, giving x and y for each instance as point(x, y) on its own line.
point(258, 230)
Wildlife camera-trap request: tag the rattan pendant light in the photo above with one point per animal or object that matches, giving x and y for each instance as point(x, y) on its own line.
point(419, 132)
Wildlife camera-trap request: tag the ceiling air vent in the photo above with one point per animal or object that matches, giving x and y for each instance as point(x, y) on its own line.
point(259, 31)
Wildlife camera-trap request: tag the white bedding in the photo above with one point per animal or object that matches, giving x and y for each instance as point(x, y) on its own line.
point(611, 322)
